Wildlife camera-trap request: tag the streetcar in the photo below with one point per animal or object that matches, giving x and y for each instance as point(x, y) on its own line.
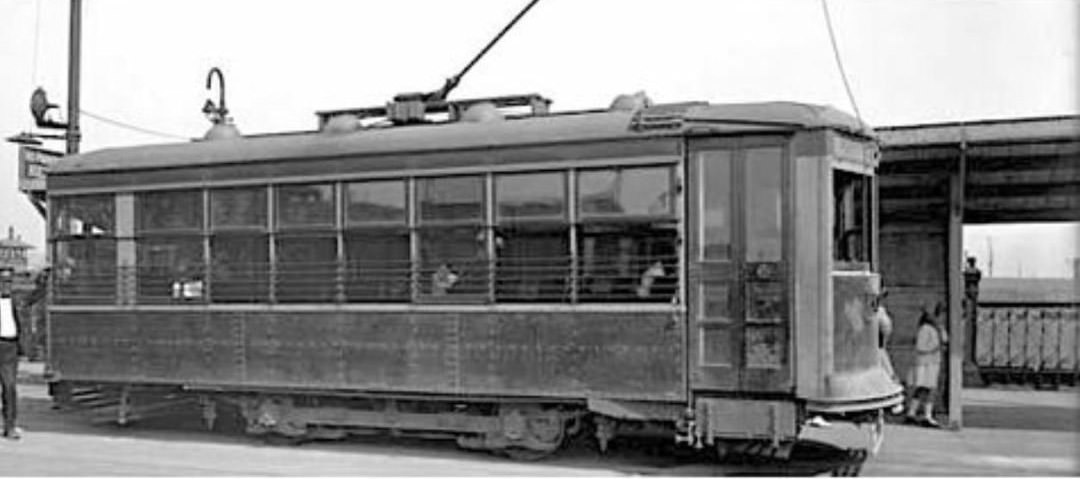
point(484, 270)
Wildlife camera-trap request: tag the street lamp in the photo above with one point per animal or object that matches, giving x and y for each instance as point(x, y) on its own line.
point(39, 109)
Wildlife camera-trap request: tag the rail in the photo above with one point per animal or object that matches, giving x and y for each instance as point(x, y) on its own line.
point(1028, 344)
point(552, 279)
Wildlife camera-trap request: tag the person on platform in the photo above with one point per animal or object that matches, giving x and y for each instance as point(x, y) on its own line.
point(11, 348)
point(930, 340)
point(885, 329)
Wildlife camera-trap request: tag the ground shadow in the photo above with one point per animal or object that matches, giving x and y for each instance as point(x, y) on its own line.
point(626, 455)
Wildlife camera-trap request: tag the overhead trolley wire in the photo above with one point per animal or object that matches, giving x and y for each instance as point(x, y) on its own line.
point(131, 127)
point(36, 51)
point(839, 62)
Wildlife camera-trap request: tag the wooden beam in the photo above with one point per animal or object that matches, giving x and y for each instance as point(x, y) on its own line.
point(1031, 203)
point(1012, 129)
point(974, 216)
point(955, 278)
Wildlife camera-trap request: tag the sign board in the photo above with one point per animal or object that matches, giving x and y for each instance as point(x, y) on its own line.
point(33, 163)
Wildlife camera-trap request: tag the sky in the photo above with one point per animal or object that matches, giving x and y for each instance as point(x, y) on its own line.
point(144, 63)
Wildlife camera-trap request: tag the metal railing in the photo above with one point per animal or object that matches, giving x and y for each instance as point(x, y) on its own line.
point(509, 279)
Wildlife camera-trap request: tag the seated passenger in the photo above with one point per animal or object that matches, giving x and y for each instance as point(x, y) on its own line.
point(648, 278)
point(443, 279)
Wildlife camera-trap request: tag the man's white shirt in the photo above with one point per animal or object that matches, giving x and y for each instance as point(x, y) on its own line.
point(7, 319)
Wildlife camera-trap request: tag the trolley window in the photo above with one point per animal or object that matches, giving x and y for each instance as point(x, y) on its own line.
point(377, 245)
point(305, 206)
point(168, 246)
point(305, 248)
point(531, 196)
point(764, 226)
point(379, 265)
point(84, 251)
point(852, 219)
point(645, 191)
point(170, 268)
point(458, 198)
point(85, 270)
point(374, 202)
point(715, 177)
point(453, 262)
point(532, 239)
point(453, 239)
point(169, 211)
point(627, 262)
point(238, 244)
point(238, 208)
point(240, 268)
point(84, 216)
point(626, 239)
point(306, 268)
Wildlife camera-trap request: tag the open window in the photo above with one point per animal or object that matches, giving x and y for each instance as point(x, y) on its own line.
point(306, 244)
point(84, 235)
point(453, 239)
point(169, 247)
point(852, 220)
point(377, 248)
point(532, 238)
point(239, 252)
point(627, 235)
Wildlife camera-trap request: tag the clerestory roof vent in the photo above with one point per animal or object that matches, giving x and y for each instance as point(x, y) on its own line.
point(482, 112)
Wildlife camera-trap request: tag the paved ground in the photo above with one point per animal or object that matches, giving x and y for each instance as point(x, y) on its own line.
point(1009, 432)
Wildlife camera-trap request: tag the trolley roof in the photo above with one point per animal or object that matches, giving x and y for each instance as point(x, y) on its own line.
point(659, 120)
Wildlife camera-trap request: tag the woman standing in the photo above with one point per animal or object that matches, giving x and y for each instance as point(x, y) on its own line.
point(929, 342)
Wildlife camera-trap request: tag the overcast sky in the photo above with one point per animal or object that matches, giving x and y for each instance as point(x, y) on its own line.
point(908, 61)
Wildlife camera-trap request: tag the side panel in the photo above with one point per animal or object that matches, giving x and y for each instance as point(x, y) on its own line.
point(811, 325)
point(622, 355)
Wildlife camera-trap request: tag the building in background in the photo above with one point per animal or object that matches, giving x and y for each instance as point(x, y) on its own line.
point(13, 252)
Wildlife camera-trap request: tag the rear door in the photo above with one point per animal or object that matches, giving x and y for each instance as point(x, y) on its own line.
point(737, 289)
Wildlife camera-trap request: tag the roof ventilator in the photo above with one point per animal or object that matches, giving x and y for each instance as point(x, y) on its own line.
point(341, 124)
point(414, 109)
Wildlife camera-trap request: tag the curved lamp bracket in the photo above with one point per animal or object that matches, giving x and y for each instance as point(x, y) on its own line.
point(216, 112)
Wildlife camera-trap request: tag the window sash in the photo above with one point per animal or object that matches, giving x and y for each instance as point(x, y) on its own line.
point(170, 268)
point(515, 192)
point(451, 199)
point(306, 268)
point(239, 268)
point(169, 211)
point(84, 270)
point(378, 265)
point(305, 206)
point(83, 216)
point(238, 208)
point(763, 177)
point(626, 192)
point(381, 211)
point(533, 263)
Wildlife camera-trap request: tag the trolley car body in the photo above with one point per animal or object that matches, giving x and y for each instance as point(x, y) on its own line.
point(487, 279)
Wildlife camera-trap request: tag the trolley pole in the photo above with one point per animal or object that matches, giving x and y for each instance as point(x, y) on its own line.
point(73, 135)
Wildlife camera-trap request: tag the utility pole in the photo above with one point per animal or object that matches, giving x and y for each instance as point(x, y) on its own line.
point(74, 57)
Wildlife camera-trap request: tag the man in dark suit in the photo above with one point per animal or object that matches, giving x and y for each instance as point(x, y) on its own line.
point(10, 350)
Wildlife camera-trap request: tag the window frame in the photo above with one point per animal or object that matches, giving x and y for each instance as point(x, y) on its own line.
point(425, 275)
point(672, 192)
